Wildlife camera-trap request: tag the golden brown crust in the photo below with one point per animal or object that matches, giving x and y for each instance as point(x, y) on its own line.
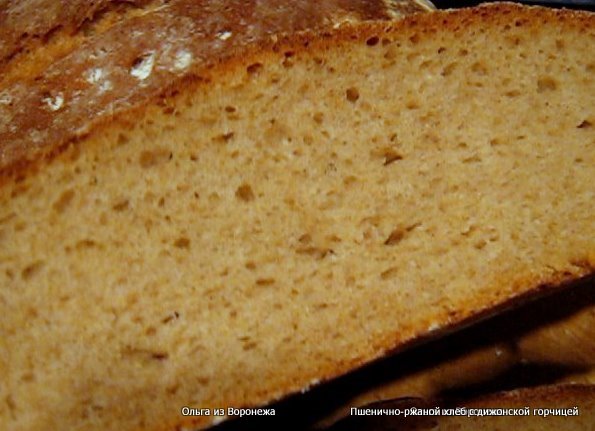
point(40, 116)
point(22, 22)
point(135, 59)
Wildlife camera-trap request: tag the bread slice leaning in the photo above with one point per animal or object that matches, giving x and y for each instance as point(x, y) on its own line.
point(299, 210)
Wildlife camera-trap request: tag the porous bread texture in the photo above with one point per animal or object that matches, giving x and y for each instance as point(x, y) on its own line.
point(299, 211)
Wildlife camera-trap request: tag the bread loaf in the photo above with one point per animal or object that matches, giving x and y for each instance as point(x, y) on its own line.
point(286, 214)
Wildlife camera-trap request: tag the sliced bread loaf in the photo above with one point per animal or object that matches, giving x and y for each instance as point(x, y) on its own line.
point(293, 212)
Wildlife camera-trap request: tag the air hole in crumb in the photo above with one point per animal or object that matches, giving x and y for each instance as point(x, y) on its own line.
point(254, 68)
point(318, 117)
point(230, 109)
point(546, 83)
point(315, 252)
point(372, 41)
point(122, 139)
point(32, 269)
point(412, 104)
point(182, 242)
point(480, 244)
point(305, 238)
point(160, 356)
point(472, 159)
point(173, 316)
point(512, 93)
point(224, 137)
point(245, 193)
point(249, 345)
point(265, 281)
point(389, 273)
point(391, 156)
point(352, 94)
point(85, 244)
point(349, 180)
point(441, 50)
point(28, 377)
point(585, 124)
point(150, 158)
point(397, 235)
point(250, 265)
point(448, 69)
point(479, 68)
point(425, 64)
point(121, 205)
point(414, 39)
point(63, 201)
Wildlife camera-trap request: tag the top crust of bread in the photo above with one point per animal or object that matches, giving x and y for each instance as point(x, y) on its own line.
point(39, 117)
point(68, 76)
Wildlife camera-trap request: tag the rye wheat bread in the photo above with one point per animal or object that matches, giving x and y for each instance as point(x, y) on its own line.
point(293, 212)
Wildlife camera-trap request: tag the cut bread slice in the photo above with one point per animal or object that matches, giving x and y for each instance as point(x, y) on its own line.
point(544, 408)
point(294, 212)
point(547, 341)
